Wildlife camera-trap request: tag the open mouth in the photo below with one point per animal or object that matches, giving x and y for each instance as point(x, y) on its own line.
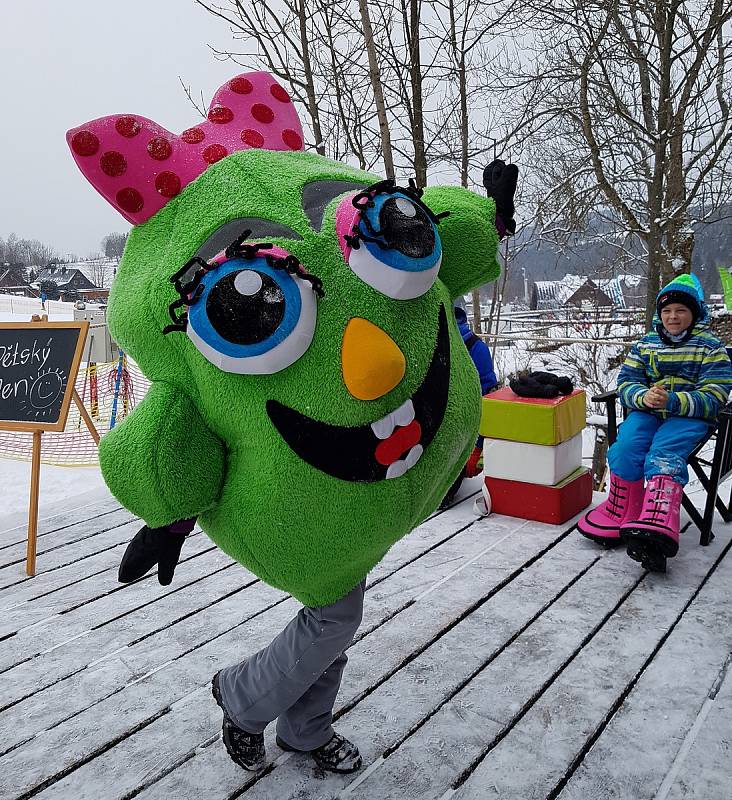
point(384, 449)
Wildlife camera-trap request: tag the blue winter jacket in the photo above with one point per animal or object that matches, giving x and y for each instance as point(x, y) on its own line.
point(479, 352)
point(696, 372)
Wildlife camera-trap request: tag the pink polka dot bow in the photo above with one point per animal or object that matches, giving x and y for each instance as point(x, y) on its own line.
point(139, 166)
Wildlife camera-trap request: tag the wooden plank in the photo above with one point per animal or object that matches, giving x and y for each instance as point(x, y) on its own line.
point(430, 534)
point(81, 545)
point(101, 582)
point(64, 698)
point(706, 771)
point(92, 620)
point(390, 656)
point(63, 512)
point(89, 505)
point(99, 627)
point(427, 763)
point(404, 702)
point(666, 702)
point(533, 759)
point(143, 702)
point(60, 537)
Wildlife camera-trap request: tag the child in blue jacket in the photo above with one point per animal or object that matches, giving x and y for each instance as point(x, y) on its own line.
point(479, 352)
point(673, 383)
point(481, 355)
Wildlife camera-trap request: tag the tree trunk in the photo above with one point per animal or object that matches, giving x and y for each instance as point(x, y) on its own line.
point(309, 83)
point(458, 56)
point(679, 236)
point(375, 77)
point(599, 458)
point(415, 75)
point(477, 324)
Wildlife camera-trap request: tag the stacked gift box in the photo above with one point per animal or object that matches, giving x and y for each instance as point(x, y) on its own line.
point(532, 455)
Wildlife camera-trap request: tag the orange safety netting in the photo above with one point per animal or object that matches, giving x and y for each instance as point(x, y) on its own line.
point(97, 386)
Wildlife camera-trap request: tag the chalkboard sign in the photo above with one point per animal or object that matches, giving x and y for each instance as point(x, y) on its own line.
point(38, 366)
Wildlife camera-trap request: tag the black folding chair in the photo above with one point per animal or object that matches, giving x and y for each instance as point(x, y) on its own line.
point(719, 467)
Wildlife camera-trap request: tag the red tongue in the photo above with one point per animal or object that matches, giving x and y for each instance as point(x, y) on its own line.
point(402, 439)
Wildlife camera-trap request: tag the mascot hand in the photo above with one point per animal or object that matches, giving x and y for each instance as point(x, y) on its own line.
point(500, 180)
point(153, 546)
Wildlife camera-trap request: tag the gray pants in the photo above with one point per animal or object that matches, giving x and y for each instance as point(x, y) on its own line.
point(295, 679)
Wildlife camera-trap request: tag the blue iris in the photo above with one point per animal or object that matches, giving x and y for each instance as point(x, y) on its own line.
point(406, 237)
point(247, 308)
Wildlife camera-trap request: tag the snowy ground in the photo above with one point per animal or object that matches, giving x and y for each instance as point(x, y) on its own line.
point(56, 485)
point(21, 309)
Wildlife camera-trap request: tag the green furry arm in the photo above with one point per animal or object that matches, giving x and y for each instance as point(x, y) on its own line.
point(472, 219)
point(163, 463)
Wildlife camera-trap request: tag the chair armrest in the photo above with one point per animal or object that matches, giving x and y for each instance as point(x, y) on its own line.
point(605, 397)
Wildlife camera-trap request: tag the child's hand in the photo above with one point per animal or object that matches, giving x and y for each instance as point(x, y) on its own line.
point(656, 397)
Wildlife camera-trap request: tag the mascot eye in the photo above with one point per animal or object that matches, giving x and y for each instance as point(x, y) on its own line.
point(252, 318)
point(396, 247)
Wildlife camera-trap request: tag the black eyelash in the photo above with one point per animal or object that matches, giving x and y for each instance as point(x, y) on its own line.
point(294, 267)
point(190, 290)
point(364, 200)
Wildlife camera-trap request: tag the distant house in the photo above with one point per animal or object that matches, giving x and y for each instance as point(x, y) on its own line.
point(12, 281)
point(622, 291)
point(71, 282)
point(572, 290)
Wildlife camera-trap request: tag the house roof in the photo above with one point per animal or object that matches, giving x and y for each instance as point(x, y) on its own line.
point(12, 276)
point(619, 289)
point(62, 276)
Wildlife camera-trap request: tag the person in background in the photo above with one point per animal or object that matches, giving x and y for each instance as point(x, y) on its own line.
point(481, 355)
point(673, 383)
point(479, 352)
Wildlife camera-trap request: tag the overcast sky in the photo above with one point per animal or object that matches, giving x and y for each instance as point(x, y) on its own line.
point(64, 63)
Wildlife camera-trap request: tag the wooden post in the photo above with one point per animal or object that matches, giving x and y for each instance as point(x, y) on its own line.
point(30, 560)
point(85, 416)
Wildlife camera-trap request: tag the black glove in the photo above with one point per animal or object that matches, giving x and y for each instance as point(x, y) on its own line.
point(525, 386)
point(562, 383)
point(500, 180)
point(152, 546)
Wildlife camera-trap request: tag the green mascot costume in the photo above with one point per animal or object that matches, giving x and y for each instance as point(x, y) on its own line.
point(311, 398)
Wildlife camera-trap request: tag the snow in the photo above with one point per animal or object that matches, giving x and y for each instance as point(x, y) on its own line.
point(57, 484)
point(21, 309)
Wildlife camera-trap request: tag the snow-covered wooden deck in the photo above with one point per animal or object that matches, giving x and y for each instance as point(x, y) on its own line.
point(497, 659)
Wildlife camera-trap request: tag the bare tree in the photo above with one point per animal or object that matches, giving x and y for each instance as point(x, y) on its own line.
point(375, 79)
point(99, 270)
point(26, 252)
point(279, 37)
point(113, 245)
point(623, 109)
point(374, 70)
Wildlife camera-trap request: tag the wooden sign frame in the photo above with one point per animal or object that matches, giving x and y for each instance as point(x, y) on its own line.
point(83, 327)
point(37, 428)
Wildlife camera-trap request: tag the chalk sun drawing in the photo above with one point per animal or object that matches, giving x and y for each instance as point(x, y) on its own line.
point(45, 389)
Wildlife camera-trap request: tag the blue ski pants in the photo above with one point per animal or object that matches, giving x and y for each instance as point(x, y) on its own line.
point(648, 445)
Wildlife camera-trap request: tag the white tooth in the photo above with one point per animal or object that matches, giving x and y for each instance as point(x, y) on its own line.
point(383, 428)
point(413, 455)
point(397, 469)
point(404, 414)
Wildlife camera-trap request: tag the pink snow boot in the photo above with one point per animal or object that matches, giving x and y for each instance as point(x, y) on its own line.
point(624, 502)
point(654, 535)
